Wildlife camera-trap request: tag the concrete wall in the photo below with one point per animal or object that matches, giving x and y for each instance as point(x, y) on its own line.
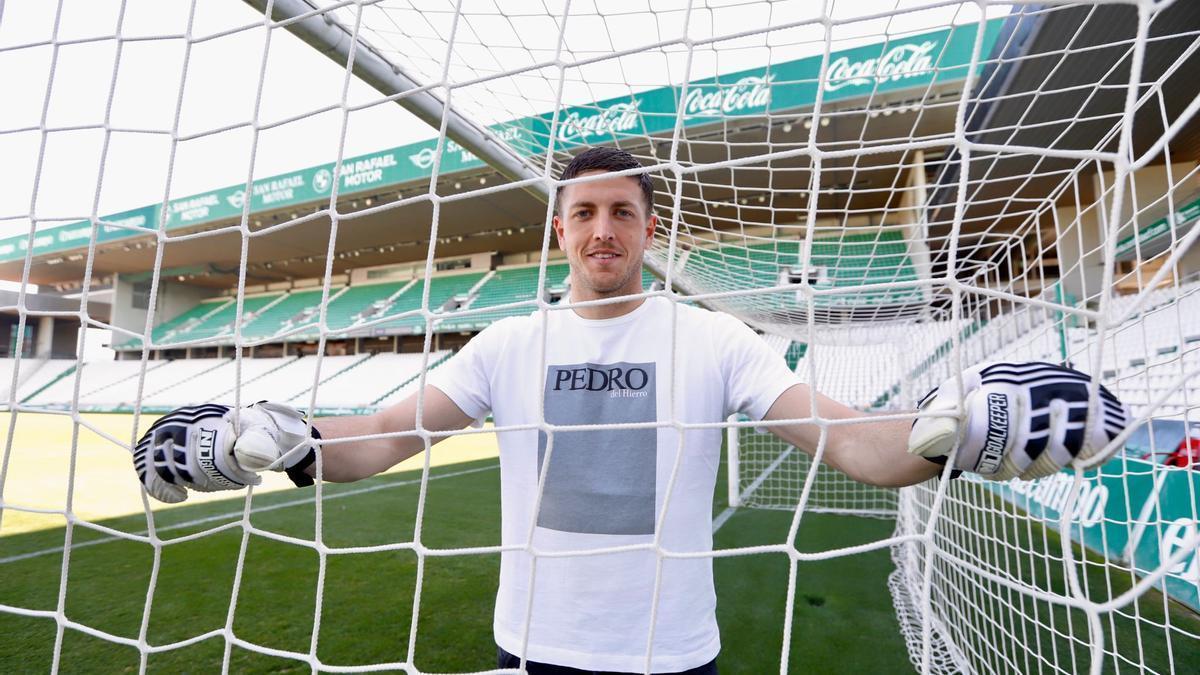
point(173, 299)
point(1084, 222)
point(911, 214)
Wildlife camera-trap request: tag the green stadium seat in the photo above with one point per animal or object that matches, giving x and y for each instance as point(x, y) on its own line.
point(162, 330)
point(441, 290)
point(849, 260)
point(507, 286)
point(347, 309)
point(297, 309)
point(220, 322)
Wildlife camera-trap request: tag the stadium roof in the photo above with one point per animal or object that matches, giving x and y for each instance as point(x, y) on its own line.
point(1057, 80)
point(291, 230)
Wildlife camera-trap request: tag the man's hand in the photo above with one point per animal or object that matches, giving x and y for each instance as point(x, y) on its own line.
point(200, 448)
point(1025, 420)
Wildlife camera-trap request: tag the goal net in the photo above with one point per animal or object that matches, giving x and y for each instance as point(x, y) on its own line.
point(889, 193)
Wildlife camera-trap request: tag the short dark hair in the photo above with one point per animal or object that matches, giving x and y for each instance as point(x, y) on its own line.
point(606, 159)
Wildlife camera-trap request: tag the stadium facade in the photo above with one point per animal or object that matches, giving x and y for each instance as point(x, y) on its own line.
point(880, 217)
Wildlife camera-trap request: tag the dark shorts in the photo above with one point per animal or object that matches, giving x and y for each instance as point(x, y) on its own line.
point(506, 660)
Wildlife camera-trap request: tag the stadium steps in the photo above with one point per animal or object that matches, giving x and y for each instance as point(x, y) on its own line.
point(220, 363)
point(219, 323)
point(161, 332)
point(191, 322)
point(286, 362)
point(385, 305)
point(69, 370)
point(300, 373)
point(293, 398)
point(250, 318)
point(412, 379)
point(204, 387)
point(849, 260)
point(506, 286)
point(120, 372)
point(442, 290)
point(356, 390)
point(296, 316)
point(332, 299)
point(28, 369)
point(474, 291)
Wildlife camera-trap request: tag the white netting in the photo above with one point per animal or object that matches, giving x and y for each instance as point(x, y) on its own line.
point(902, 190)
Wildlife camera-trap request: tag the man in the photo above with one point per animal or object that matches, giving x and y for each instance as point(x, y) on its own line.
point(641, 490)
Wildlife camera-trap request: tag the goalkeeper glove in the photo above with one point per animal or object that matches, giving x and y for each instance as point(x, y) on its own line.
point(198, 448)
point(1025, 420)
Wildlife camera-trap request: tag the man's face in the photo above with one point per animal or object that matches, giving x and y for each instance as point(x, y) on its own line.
point(604, 227)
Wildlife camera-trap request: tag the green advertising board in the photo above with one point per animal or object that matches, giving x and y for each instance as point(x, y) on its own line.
point(1133, 511)
point(1147, 238)
point(902, 63)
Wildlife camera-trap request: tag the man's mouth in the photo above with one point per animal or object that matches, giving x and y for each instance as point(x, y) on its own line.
point(603, 255)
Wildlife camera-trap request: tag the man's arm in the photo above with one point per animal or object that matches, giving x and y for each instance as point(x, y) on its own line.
point(354, 460)
point(869, 452)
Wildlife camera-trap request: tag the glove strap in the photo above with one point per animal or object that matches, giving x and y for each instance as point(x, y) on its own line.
point(940, 460)
point(296, 471)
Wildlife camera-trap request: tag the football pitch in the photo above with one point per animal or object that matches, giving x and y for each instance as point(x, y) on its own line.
point(843, 614)
point(843, 621)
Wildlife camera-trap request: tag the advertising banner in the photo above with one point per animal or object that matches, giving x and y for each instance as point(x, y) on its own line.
point(1136, 511)
point(908, 62)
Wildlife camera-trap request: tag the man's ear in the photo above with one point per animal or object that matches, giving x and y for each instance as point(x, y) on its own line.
point(557, 224)
point(651, 226)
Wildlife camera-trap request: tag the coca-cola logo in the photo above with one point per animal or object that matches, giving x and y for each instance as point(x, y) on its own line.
point(580, 126)
point(899, 62)
point(750, 92)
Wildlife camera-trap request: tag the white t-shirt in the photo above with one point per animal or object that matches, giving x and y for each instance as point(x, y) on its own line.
point(608, 487)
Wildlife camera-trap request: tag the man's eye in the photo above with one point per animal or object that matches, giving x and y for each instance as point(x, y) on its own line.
point(582, 213)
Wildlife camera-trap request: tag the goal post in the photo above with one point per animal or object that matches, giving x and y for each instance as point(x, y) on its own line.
point(888, 196)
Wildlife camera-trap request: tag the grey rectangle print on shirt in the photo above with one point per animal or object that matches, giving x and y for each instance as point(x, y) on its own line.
point(600, 481)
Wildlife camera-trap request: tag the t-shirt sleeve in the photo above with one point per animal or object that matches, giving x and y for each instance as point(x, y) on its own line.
point(466, 377)
point(755, 375)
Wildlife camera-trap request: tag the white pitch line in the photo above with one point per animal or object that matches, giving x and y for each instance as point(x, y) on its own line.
point(722, 518)
point(264, 509)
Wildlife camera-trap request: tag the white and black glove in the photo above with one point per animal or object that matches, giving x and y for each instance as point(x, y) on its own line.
point(1022, 420)
point(199, 448)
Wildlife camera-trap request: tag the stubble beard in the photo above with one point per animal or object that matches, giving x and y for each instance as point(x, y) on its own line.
point(609, 290)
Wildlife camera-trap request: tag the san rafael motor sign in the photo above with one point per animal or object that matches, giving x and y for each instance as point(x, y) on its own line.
point(909, 62)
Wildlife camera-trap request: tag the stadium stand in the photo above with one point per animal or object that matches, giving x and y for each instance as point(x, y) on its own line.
point(369, 381)
point(506, 286)
point(166, 330)
point(93, 377)
point(122, 391)
point(219, 323)
point(850, 260)
point(212, 383)
point(291, 376)
point(398, 392)
point(296, 310)
point(34, 375)
point(382, 308)
point(442, 290)
point(361, 303)
point(363, 384)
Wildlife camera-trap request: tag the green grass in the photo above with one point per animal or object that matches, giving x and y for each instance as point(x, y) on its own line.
point(843, 621)
point(367, 600)
point(1014, 630)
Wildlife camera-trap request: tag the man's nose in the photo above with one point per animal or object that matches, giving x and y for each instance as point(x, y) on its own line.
point(604, 228)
